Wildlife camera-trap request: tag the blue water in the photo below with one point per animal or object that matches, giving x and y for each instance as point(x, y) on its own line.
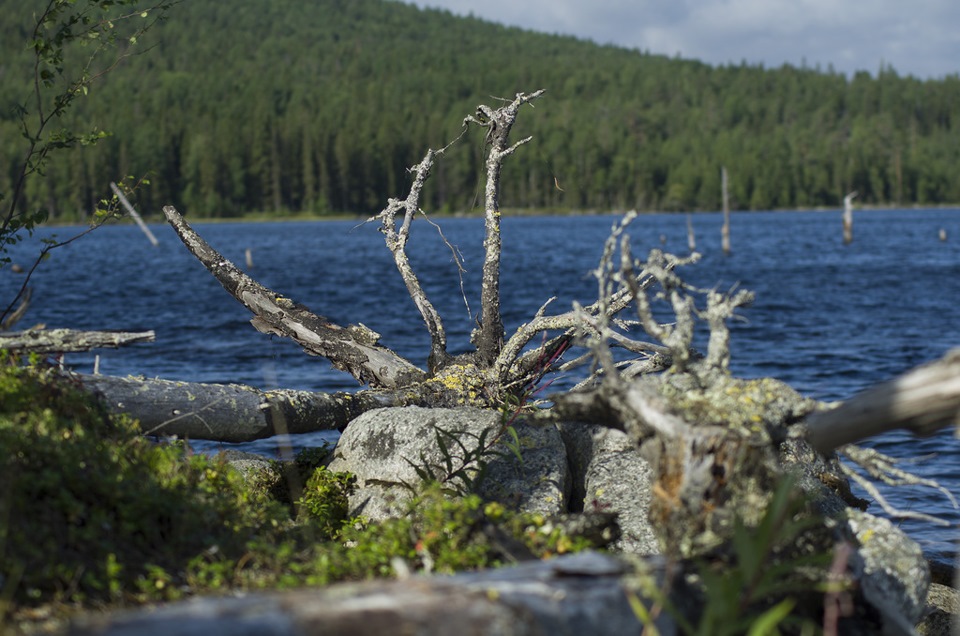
point(829, 319)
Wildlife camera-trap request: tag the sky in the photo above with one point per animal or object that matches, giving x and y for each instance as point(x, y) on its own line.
point(914, 37)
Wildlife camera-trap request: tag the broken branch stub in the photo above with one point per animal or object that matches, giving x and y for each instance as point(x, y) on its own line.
point(350, 350)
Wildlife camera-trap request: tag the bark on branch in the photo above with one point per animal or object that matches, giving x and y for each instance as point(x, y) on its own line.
point(352, 349)
point(69, 340)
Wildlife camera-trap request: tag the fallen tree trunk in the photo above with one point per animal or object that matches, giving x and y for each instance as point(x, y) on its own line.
point(229, 413)
point(69, 340)
point(585, 593)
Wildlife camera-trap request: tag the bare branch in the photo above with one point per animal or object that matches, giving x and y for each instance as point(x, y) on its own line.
point(397, 242)
point(883, 467)
point(14, 316)
point(41, 256)
point(610, 302)
point(872, 490)
point(720, 308)
point(457, 260)
point(353, 350)
point(489, 338)
point(678, 337)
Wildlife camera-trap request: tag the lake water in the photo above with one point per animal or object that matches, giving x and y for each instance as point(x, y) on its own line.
point(829, 319)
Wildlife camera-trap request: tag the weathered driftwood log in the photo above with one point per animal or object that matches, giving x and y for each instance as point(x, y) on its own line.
point(922, 401)
point(67, 340)
point(229, 413)
point(585, 593)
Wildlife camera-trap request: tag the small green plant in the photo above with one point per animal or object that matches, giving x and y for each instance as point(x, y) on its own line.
point(465, 456)
point(325, 500)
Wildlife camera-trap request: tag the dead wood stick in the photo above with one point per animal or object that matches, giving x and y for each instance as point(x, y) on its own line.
point(922, 401)
point(18, 313)
point(397, 242)
point(69, 340)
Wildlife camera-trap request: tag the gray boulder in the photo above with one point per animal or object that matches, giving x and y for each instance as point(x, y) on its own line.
point(609, 475)
point(894, 576)
point(943, 612)
point(384, 447)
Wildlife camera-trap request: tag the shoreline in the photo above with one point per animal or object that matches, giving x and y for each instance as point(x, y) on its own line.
point(263, 217)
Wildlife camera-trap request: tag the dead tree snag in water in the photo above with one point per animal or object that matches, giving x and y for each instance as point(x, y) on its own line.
point(725, 195)
point(848, 218)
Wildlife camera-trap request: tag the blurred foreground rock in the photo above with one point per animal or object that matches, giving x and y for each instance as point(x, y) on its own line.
point(942, 615)
point(586, 593)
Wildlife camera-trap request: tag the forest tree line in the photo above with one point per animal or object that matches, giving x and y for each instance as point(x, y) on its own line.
point(282, 107)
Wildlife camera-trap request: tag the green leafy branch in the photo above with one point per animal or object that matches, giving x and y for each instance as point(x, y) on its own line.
point(58, 78)
point(107, 210)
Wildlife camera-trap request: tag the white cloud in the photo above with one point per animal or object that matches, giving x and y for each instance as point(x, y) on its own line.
point(914, 37)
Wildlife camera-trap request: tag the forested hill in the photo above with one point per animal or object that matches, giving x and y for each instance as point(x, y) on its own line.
point(283, 105)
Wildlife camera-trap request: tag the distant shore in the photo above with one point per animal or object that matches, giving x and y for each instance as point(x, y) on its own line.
point(265, 217)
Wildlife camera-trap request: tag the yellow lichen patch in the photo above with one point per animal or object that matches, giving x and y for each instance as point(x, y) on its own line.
point(463, 384)
point(748, 405)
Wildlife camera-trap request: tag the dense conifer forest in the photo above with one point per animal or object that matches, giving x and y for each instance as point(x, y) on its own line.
point(282, 107)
